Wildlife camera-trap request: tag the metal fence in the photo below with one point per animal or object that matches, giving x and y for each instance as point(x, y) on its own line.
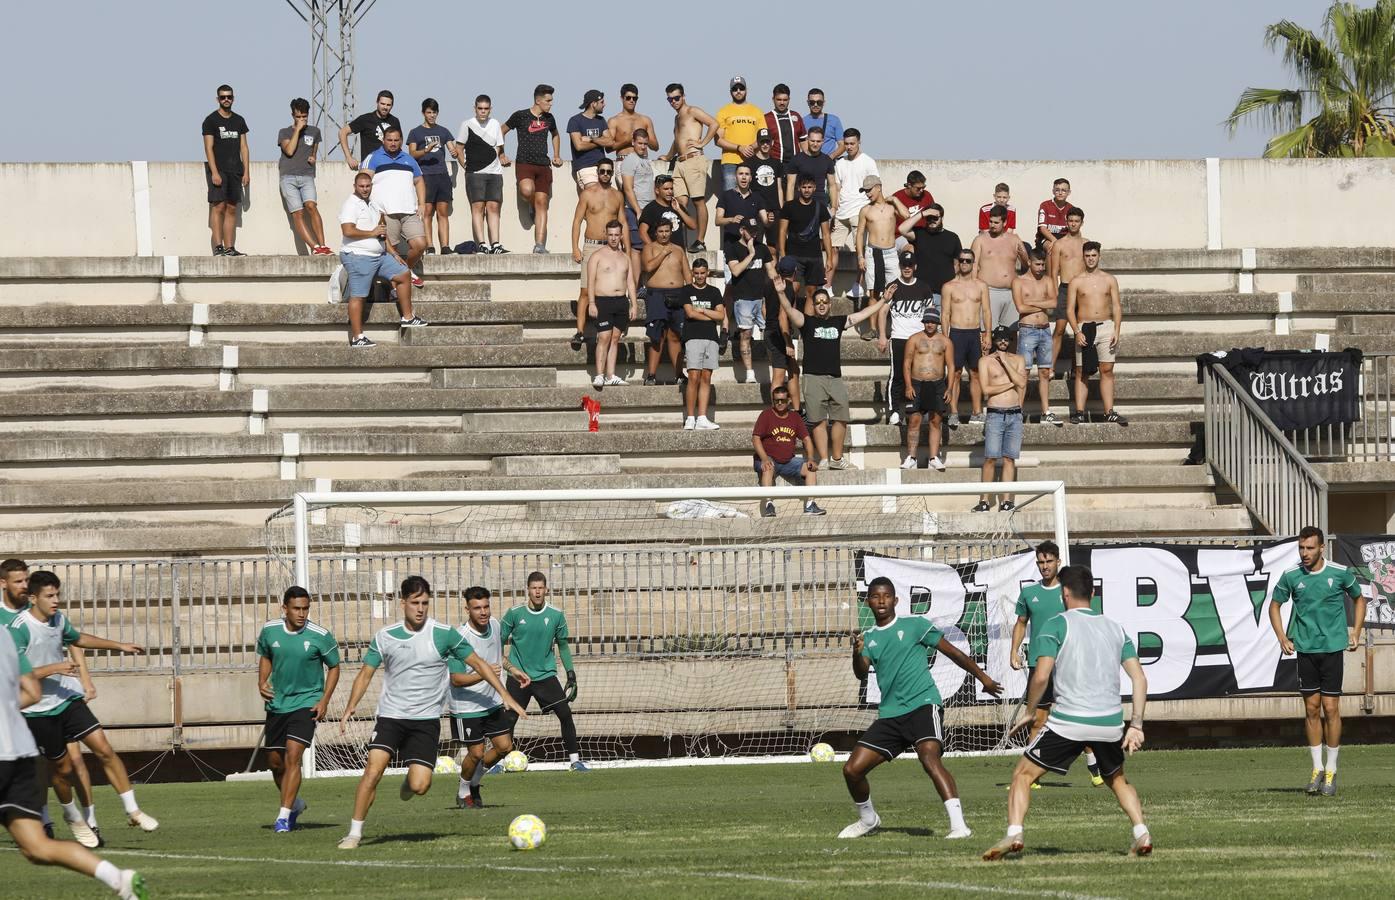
point(1369, 439)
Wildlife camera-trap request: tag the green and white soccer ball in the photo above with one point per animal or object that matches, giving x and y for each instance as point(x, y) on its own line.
point(527, 833)
point(516, 761)
point(445, 765)
point(821, 752)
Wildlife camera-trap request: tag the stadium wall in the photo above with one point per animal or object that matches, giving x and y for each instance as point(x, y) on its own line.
point(158, 209)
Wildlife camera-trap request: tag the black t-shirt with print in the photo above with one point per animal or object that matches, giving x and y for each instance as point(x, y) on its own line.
point(655, 213)
point(705, 297)
point(752, 282)
point(822, 345)
point(533, 136)
point(766, 175)
point(370, 129)
point(227, 141)
point(804, 237)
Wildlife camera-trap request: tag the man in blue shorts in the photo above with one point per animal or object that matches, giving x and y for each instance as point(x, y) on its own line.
point(1003, 377)
point(1034, 295)
point(366, 259)
point(775, 437)
point(428, 144)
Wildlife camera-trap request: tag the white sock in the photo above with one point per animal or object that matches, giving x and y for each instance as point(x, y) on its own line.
point(865, 812)
point(108, 875)
point(956, 813)
point(478, 775)
point(1014, 831)
point(128, 800)
point(1332, 759)
point(71, 813)
point(355, 828)
point(574, 757)
point(463, 788)
point(1140, 830)
point(1090, 758)
point(90, 814)
point(283, 813)
point(1317, 756)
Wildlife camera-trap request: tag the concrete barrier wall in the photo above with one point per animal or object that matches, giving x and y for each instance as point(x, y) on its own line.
point(122, 209)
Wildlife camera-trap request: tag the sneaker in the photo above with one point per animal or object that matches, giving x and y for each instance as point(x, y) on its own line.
point(1142, 845)
point(219, 250)
point(540, 249)
point(496, 769)
point(1096, 781)
point(466, 802)
point(860, 829)
point(650, 381)
point(982, 506)
point(937, 464)
point(908, 463)
point(83, 834)
point(1314, 783)
point(956, 834)
point(324, 251)
point(613, 380)
point(142, 821)
point(813, 509)
point(1096, 778)
point(362, 341)
point(349, 842)
point(598, 381)
point(413, 322)
point(1007, 506)
point(767, 509)
point(232, 251)
point(750, 377)
point(476, 797)
point(1078, 417)
point(977, 419)
point(392, 293)
point(1003, 848)
point(101, 841)
point(447, 251)
point(578, 766)
point(1049, 418)
point(133, 886)
point(417, 282)
point(952, 421)
point(697, 247)
point(705, 424)
point(281, 826)
point(578, 340)
point(1114, 418)
point(893, 418)
point(497, 249)
point(300, 807)
point(689, 423)
point(681, 381)
point(841, 464)
point(430, 251)
point(1329, 784)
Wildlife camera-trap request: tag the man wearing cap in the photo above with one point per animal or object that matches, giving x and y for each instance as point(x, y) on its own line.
point(692, 129)
point(768, 175)
point(936, 247)
point(907, 300)
point(875, 242)
point(1003, 378)
point(786, 126)
point(851, 172)
point(737, 124)
point(927, 361)
point(910, 199)
point(590, 139)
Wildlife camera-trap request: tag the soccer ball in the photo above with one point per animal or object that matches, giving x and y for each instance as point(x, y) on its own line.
point(445, 765)
point(821, 752)
point(516, 761)
point(527, 832)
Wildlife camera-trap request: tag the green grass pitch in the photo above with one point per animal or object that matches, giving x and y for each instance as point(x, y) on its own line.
point(1226, 823)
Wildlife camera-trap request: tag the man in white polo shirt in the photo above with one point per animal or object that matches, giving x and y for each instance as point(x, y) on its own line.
point(400, 192)
point(365, 260)
point(851, 170)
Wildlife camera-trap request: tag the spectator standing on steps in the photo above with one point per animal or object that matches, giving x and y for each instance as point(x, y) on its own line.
point(589, 138)
point(624, 126)
point(1064, 261)
point(804, 235)
point(428, 143)
point(737, 124)
point(481, 152)
point(533, 166)
point(693, 128)
point(400, 191)
point(1003, 377)
point(767, 175)
point(778, 435)
point(370, 128)
point(928, 354)
point(299, 145)
point(597, 204)
point(751, 268)
point(998, 252)
point(907, 299)
point(1096, 318)
point(635, 179)
point(704, 318)
point(785, 126)
point(936, 248)
point(226, 170)
point(815, 165)
point(664, 207)
point(609, 296)
point(666, 269)
point(829, 125)
point(1034, 295)
point(852, 172)
point(366, 259)
point(1002, 196)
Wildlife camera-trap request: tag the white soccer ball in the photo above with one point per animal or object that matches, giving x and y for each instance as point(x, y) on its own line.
point(445, 765)
point(821, 752)
point(527, 832)
point(516, 761)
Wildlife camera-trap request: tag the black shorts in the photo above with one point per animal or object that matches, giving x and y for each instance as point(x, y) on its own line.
point(438, 188)
point(230, 191)
point(20, 794)
point(895, 735)
point(612, 312)
point(929, 398)
point(474, 730)
point(1320, 673)
point(412, 742)
point(53, 734)
point(1048, 696)
point(775, 347)
point(1061, 301)
point(811, 271)
point(547, 691)
point(297, 725)
point(483, 188)
point(1055, 753)
point(968, 347)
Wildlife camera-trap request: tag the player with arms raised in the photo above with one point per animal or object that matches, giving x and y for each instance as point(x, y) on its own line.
point(477, 712)
point(1318, 632)
point(413, 656)
point(1083, 651)
point(535, 629)
point(292, 656)
point(910, 713)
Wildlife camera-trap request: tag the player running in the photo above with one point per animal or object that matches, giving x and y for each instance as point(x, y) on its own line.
point(42, 635)
point(910, 714)
point(477, 712)
point(1318, 631)
point(534, 630)
point(413, 656)
point(293, 655)
point(1082, 650)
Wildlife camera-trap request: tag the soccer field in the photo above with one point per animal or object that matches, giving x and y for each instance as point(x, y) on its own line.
point(1225, 823)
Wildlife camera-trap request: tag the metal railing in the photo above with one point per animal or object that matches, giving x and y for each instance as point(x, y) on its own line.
point(1255, 460)
point(1371, 438)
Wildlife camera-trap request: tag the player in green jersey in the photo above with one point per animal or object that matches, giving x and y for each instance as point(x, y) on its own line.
point(293, 655)
point(535, 629)
point(1318, 633)
point(910, 714)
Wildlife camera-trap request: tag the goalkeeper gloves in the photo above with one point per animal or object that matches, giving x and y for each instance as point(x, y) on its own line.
point(571, 687)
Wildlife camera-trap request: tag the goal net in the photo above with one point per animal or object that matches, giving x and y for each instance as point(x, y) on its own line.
point(699, 624)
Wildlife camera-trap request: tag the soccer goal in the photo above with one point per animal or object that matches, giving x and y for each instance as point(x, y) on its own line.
point(704, 622)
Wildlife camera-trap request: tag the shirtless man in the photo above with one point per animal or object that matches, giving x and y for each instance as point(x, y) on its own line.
point(970, 320)
point(666, 267)
point(598, 204)
point(1003, 376)
point(1092, 307)
point(1063, 263)
point(693, 128)
point(610, 298)
point(998, 252)
point(1034, 295)
point(876, 241)
point(928, 355)
point(622, 127)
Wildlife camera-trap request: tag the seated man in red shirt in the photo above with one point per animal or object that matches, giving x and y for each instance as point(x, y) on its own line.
point(775, 437)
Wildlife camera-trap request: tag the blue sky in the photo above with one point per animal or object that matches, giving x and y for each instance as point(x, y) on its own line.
point(1030, 80)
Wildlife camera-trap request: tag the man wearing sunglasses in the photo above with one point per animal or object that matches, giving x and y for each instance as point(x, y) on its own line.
point(597, 205)
point(737, 124)
point(936, 248)
point(624, 125)
point(693, 128)
point(829, 124)
point(225, 169)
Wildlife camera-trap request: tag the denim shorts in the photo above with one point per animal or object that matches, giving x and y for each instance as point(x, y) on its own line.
point(792, 471)
point(1002, 434)
point(297, 190)
point(750, 314)
point(1035, 346)
point(362, 270)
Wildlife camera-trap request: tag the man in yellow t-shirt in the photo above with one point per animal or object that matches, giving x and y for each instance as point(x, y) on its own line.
point(737, 124)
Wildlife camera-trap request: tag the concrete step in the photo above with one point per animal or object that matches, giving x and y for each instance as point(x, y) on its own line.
point(462, 335)
point(1367, 325)
point(1347, 281)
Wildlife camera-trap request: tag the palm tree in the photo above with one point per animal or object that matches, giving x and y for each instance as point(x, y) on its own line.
point(1347, 77)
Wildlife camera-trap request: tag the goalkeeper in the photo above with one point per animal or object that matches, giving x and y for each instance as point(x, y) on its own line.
point(534, 630)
